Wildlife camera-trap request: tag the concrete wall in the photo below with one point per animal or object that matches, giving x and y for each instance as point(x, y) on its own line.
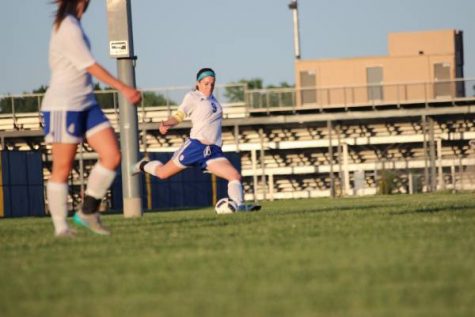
point(418, 43)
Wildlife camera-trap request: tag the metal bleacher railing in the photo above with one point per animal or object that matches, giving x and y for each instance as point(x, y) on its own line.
point(351, 97)
point(21, 112)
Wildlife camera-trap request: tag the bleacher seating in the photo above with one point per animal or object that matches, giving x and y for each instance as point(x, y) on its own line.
point(296, 158)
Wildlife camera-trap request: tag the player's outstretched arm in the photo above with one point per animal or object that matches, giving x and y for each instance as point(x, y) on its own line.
point(130, 93)
point(167, 124)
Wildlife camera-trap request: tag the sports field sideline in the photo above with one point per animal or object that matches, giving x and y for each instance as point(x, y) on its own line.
point(375, 256)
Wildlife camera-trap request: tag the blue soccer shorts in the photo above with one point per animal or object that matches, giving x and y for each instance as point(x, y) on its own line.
point(195, 153)
point(72, 126)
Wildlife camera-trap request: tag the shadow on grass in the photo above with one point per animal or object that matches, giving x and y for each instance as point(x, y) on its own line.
point(283, 212)
point(434, 209)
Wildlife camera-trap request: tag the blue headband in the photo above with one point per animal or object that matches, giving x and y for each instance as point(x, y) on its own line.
point(206, 74)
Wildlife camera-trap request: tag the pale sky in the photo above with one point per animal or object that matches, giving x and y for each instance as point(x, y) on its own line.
point(240, 39)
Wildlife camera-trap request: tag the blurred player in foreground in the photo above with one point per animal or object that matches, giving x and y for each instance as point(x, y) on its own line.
point(70, 112)
point(203, 148)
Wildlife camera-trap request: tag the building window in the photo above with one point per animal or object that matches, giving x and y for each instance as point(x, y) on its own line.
point(374, 80)
point(442, 84)
point(308, 83)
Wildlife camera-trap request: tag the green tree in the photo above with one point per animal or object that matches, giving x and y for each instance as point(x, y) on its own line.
point(280, 98)
point(5, 105)
point(105, 97)
point(236, 93)
point(281, 85)
point(28, 102)
point(261, 99)
point(40, 90)
point(151, 99)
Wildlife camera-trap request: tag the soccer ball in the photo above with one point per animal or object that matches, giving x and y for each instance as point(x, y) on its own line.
point(225, 206)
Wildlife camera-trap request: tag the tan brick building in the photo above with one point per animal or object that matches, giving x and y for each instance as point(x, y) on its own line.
point(420, 66)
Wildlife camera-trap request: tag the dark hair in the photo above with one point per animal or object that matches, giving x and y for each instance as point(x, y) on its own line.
point(201, 71)
point(66, 7)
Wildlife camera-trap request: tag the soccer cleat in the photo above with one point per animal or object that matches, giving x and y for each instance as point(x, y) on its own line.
point(68, 233)
point(249, 208)
point(138, 167)
point(92, 222)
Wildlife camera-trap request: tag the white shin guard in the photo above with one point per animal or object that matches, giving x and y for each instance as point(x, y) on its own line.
point(99, 181)
point(57, 194)
point(235, 191)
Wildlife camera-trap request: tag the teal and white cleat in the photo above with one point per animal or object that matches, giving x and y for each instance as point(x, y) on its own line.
point(249, 208)
point(92, 222)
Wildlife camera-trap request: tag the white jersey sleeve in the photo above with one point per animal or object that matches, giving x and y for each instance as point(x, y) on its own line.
point(73, 45)
point(70, 87)
point(187, 104)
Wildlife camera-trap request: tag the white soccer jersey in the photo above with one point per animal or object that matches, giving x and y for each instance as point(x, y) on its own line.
point(206, 116)
point(70, 87)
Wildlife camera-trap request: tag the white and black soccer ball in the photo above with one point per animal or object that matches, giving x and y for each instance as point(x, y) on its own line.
point(225, 206)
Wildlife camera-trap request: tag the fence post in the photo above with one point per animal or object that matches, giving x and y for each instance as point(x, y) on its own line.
point(271, 187)
point(248, 100)
point(330, 153)
point(426, 167)
point(254, 173)
point(346, 169)
point(236, 137)
point(411, 183)
point(263, 167)
point(39, 112)
point(452, 172)
point(341, 175)
point(433, 183)
point(14, 114)
point(440, 167)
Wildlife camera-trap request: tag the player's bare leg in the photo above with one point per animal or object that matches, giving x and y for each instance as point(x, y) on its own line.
point(224, 169)
point(57, 187)
point(101, 177)
point(157, 168)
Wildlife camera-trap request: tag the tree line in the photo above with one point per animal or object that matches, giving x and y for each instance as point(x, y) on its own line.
point(107, 97)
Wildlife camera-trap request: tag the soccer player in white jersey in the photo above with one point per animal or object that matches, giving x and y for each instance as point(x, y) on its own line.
point(203, 148)
point(70, 112)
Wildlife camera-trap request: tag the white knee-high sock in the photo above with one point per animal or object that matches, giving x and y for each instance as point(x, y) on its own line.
point(99, 181)
point(57, 194)
point(151, 166)
point(235, 191)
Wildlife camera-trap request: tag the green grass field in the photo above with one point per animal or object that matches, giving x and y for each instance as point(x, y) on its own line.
point(376, 256)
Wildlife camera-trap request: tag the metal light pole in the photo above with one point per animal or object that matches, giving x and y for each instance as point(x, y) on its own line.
point(294, 8)
point(121, 47)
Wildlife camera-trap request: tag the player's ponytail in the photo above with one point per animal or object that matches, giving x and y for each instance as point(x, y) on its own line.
point(66, 7)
